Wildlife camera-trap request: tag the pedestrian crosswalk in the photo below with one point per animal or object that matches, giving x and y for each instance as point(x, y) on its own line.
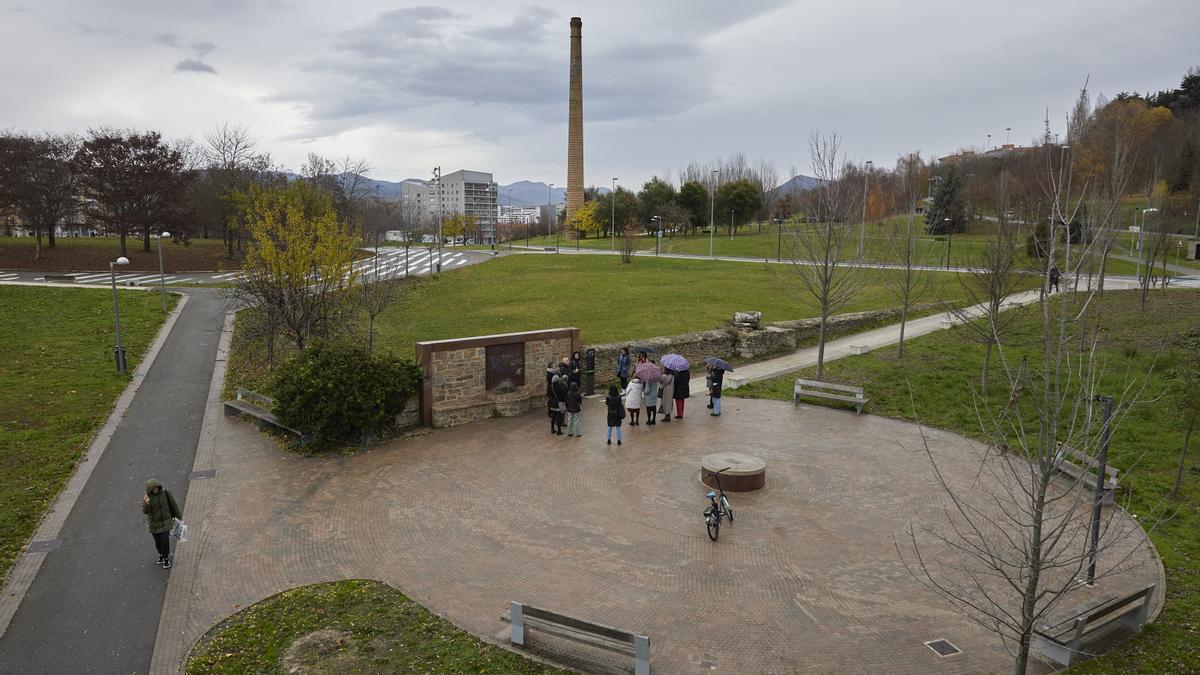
point(400, 263)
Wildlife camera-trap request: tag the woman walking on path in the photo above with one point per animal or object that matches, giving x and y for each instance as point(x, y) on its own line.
point(666, 393)
point(574, 411)
point(650, 398)
point(556, 404)
point(683, 390)
point(715, 376)
point(633, 400)
point(161, 511)
point(623, 365)
point(616, 413)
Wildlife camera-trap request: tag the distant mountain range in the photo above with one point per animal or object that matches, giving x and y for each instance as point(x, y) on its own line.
point(535, 193)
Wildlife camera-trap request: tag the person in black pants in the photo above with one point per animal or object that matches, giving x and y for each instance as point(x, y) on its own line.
point(716, 377)
point(161, 511)
point(556, 401)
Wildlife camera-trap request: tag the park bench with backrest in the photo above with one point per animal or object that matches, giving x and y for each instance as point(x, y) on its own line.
point(1061, 638)
point(523, 617)
point(1079, 467)
point(253, 404)
point(832, 392)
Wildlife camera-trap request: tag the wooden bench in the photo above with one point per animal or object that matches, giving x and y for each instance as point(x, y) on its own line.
point(832, 392)
point(253, 404)
point(523, 617)
point(1061, 638)
point(1079, 467)
point(68, 278)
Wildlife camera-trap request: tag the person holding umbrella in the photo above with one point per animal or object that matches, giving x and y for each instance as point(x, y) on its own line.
point(682, 391)
point(649, 373)
point(670, 391)
point(716, 376)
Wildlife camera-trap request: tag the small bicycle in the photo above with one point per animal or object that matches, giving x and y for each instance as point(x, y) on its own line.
point(718, 507)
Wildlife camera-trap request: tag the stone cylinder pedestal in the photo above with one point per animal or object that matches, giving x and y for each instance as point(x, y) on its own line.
point(745, 473)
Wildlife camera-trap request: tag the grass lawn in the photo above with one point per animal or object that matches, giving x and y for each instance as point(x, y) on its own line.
point(354, 626)
point(58, 382)
point(92, 254)
point(941, 369)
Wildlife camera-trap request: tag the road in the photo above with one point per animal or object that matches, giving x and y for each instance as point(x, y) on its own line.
point(393, 263)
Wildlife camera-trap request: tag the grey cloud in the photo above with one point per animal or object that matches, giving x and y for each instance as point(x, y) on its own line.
point(93, 31)
point(194, 66)
point(529, 26)
point(202, 48)
point(396, 29)
point(168, 39)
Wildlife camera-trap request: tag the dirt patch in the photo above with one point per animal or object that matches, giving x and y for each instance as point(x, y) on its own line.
point(318, 652)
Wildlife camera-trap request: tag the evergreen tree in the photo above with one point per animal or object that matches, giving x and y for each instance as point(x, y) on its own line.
point(946, 214)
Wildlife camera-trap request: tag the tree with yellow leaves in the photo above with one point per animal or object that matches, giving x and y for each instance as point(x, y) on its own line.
point(458, 225)
point(586, 219)
point(300, 262)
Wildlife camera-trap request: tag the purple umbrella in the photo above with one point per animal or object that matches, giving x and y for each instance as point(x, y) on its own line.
point(648, 372)
point(674, 362)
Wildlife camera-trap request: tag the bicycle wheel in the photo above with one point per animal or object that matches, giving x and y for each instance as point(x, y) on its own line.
point(714, 527)
point(728, 508)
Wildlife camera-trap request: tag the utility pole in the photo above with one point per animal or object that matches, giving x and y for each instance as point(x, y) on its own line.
point(437, 180)
point(612, 197)
point(712, 205)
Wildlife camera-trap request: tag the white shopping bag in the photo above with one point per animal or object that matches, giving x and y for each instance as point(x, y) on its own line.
point(179, 530)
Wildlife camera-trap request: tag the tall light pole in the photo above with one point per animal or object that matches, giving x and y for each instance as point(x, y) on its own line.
point(862, 233)
point(779, 240)
point(1197, 234)
point(162, 274)
point(712, 205)
point(657, 234)
point(437, 180)
point(988, 146)
point(510, 219)
point(1008, 135)
point(612, 232)
point(119, 352)
point(551, 214)
point(1141, 236)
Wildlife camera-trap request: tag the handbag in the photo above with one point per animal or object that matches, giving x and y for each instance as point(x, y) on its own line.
point(179, 530)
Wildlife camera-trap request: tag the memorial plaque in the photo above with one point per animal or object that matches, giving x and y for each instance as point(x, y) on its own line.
point(505, 366)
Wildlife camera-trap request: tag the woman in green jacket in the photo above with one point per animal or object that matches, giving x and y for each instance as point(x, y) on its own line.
point(161, 511)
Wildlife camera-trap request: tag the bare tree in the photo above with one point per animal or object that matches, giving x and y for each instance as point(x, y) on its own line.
point(910, 284)
point(377, 291)
point(37, 181)
point(629, 240)
point(819, 252)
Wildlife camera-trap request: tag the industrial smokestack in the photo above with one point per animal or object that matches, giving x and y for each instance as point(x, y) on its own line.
point(575, 121)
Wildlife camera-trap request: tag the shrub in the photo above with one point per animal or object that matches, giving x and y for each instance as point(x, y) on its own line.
point(339, 392)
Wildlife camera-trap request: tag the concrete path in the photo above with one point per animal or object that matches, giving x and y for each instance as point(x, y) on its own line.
point(95, 602)
point(1171, 267)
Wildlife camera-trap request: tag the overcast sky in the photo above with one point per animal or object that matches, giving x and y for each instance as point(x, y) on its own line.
point(483, 85)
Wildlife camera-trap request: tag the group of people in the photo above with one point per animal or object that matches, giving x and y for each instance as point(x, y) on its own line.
point(658, 396)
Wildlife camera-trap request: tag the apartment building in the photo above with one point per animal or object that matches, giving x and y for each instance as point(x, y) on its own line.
point(472, 193)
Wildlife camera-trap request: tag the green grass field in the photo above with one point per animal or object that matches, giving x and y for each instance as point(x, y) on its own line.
point(92, 254)
point(941, 369)
point(354, 626)
point(58, 382)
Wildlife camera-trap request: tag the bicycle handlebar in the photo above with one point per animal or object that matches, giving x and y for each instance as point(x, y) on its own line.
point(714, 473)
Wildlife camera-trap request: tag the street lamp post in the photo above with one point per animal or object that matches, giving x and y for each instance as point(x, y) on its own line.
point(437, 179)
point(731, 224)
point(862, 233)
point(657, 234)
point(162, 275)
point(1008, 135)
point(510, 219)
point(612, 230)
point(119, 352)
point(1098, 498)
point(949, 239)
point(779, 240)
point(1141, 236)
point(712, 205)
point(988, 146)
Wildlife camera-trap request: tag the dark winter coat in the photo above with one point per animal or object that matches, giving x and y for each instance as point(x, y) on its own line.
point(576, 372)
point(616, 410)
point(683, 384)
point(161, 511)
point(560, 391)
point(623, 363)
point(574, 401)
point(718, 376)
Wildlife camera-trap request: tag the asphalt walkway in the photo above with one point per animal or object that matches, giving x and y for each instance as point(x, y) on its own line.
point(95, 602)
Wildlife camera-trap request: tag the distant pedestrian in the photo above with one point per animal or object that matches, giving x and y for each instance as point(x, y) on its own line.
point(576, 376)
point(556, 404)
point(708, 377)
point(574, 411)
point(1055, 275)
point(624, 363)
point(716, 377)
point(683, 390)
point(161, 511)
point(616, 413)
point(633, 400)
point(564, 369)
point(666, 393)
point(650, 400)
point(551, 371)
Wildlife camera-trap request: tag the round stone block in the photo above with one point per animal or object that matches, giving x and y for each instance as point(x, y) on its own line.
point(745, 473)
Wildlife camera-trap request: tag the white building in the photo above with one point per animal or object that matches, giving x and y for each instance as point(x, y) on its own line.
point(471, 193)
point(520, 215)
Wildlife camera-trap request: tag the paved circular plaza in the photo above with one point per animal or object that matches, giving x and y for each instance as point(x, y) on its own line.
point(465, 520)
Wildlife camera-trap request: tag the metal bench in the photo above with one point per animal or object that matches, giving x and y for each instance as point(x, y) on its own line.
point(1061, 638)
point(832, 392)
point(253, 404)
point(1079, 467)
point(523, 617)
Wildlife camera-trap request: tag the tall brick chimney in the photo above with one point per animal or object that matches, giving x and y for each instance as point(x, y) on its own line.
point(575, 121)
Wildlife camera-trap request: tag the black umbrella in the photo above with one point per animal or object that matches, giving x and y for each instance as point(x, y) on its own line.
point(719, 363)
point(644, 349)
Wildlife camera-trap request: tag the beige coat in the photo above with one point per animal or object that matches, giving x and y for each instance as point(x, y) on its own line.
point(666, 392)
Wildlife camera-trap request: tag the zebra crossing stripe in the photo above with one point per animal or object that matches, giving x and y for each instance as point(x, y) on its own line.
point(179, 281)
point(91, 277)
point(222, 277)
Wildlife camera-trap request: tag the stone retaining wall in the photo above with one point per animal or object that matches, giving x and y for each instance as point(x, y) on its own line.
point(454, 373)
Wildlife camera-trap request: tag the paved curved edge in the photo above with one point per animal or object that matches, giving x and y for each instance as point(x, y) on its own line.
point(94, 603)
point(466, 519)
